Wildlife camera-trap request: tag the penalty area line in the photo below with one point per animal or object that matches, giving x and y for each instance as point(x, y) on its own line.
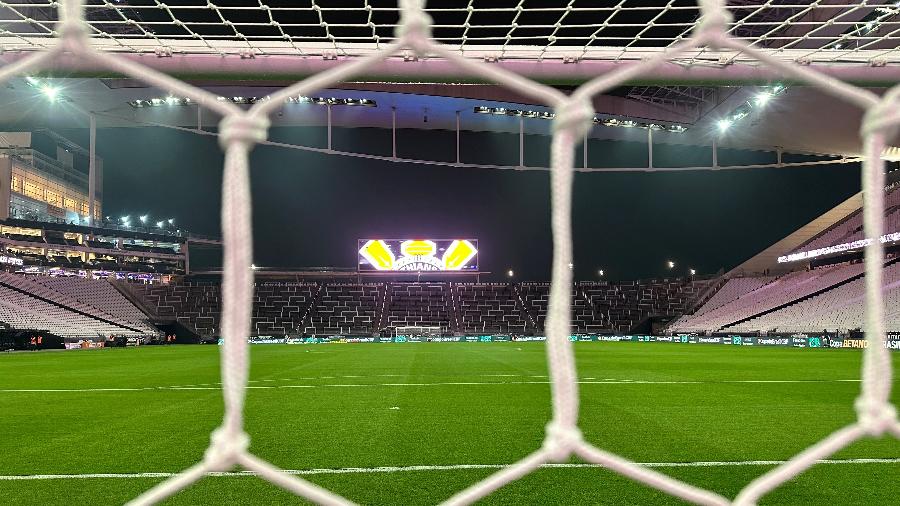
point(453, 467)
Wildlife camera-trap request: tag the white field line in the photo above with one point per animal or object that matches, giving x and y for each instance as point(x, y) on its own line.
point(439, 383)
point(453, 467)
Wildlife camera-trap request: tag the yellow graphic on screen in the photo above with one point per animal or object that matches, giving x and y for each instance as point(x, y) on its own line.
point(458, 255)
point(378, 254)
point(418, 254)
point(418, 248)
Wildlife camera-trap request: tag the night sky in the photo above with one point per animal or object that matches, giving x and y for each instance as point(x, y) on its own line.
point(309, 209)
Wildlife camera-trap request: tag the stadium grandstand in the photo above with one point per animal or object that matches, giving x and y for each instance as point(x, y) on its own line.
point(630, 252)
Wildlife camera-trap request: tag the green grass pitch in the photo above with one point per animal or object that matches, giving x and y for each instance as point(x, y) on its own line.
point(433, 404)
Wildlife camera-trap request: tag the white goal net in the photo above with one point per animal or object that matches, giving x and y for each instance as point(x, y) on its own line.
point(103, 34)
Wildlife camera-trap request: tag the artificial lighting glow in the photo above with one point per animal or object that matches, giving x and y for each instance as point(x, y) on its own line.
point(610, 122)
point(144, 218)
point(51, 92)
point(723, 124)
point(762, 98)
point(693, 272)
point(840, 248)
point(671, 264)
point(510, 273)
point(171, 221)
point(571, 265)
point(159, 224)
point(600, 272)
point(124, 219)
point(254, 267)
point(332, 101)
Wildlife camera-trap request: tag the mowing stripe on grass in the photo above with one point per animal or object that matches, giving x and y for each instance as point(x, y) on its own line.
point(454, 467)
point(438, 383)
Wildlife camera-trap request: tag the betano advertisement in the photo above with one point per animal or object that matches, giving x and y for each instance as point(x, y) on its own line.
point(418, 255)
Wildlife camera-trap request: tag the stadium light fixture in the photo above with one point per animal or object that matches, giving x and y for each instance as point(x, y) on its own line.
point(159, 224)
point(510, 273)
point(143, 218)
point(51, 92)
point(171, 221)
point(571, 265)
point(724, 124)
point(600, 273)
point(670, 264)
point(693, 272)
point(762, 98)
point(124, 219)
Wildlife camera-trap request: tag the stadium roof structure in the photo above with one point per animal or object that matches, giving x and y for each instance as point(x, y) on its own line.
point(820, 32)
point(249, 48)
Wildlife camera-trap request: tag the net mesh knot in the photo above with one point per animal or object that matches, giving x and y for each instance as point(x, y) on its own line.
point(881, 117)
point(875, 417)
point(243, 128)
point(415, 26)
point(560, 441)
point(575, 115)
point(225, 448)
point(72, 31)
point(713, 24)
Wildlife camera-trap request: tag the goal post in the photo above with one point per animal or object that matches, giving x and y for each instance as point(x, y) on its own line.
point(420, 331)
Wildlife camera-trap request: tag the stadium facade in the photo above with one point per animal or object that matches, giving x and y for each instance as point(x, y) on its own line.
point(46, 225)
point(87, 282)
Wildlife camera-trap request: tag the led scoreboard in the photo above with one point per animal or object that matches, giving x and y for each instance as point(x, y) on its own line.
point(418, 255)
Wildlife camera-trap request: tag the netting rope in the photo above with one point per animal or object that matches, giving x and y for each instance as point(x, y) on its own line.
point(242, 129)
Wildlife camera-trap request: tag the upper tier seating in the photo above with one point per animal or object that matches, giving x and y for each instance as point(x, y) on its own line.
point(197, 306)
point(466, 308)
point(783, 290)
point(97, 297)
point(621, 305)
point(490, 308)
point(419, 305)
point(837, 310)
point(30, 306)
point(347, 309)
point(850, 229)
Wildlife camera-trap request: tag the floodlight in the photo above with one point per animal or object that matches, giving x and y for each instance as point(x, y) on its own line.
point(671, 264)
point(600, 272)
point(723, 124)
point(171, 221)
point(144, 218)
point(159, 224)
point(510, 273)
point(693, 272)
point(51, 92)
point(762, 99)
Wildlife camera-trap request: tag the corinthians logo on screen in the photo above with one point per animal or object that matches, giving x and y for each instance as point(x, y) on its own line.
point(418, 254)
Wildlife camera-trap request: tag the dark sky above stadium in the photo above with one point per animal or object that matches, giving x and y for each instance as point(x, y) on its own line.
point(310, 209)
